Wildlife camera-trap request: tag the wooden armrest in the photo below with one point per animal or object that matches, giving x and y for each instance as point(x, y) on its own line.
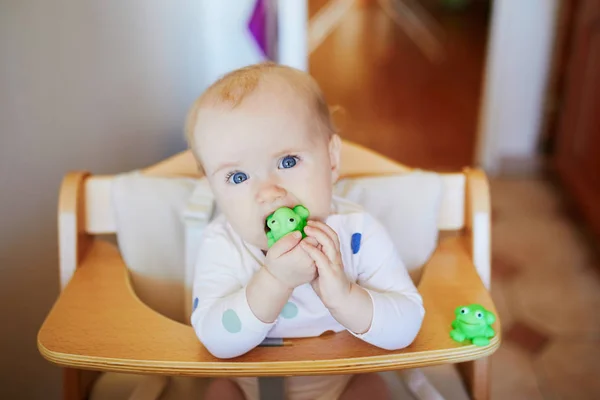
point(99, 323)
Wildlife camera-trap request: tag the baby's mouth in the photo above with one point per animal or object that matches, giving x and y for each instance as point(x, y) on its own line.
point(267, 229)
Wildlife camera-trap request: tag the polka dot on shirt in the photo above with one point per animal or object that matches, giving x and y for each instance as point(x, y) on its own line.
point(290, 310)
point(355, 242)
point(231, 322)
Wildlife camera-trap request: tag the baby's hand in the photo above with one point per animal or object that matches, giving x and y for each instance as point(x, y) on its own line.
point(331, 285)
point(289, 263)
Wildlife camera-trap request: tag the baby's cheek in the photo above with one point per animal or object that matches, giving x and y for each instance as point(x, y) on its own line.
point(322, 203)
point(246, 222)
point(317, 197)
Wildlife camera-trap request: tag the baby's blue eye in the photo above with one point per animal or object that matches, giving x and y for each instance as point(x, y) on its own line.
point(237, 177)
point(287, 162)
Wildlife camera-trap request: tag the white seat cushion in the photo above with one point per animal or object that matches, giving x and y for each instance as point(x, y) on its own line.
point(159, 220)
point(408, 205)
point(151, 236)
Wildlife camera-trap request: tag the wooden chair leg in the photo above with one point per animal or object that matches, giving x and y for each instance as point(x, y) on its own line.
point(77, 383)
point(475, 375)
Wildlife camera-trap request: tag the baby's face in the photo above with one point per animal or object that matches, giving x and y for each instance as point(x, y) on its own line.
point(265, 154)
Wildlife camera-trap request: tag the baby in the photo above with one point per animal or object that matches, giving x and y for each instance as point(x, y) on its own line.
point(264, 137)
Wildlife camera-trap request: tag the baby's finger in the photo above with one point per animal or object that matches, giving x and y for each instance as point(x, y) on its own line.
point(311, 240)
point(328, 230)
point(318, 257)
point(328, 244)
point(285, 244)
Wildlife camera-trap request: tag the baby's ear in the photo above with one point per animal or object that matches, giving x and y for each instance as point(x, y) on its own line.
point(335, 153)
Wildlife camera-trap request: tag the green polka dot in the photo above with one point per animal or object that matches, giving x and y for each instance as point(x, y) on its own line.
point(290, 310)
point(231, 321)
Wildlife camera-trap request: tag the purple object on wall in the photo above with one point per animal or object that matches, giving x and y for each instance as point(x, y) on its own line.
point(258, 26)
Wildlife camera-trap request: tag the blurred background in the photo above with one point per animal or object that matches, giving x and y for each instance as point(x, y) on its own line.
point(510, 86)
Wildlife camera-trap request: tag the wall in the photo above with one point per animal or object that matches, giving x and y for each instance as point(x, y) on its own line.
point(96, 85)
point(518, 63)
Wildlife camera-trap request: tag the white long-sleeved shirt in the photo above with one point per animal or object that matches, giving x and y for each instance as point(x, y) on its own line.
point(227, 327)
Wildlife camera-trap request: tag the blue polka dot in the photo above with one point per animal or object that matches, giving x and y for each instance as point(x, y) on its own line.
point(290, 310)
point(355, 242)
point(195, 303)
point(231, 321)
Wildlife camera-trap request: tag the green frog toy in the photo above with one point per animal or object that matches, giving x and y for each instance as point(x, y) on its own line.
point(285, 220)
point(473, 322)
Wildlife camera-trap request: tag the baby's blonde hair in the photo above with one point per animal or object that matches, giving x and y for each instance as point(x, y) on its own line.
point(231, 90)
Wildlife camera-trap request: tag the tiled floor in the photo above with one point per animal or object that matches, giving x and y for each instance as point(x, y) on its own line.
point(546, 285)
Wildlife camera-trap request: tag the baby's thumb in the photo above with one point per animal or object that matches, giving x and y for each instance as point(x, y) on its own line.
point(285, 244)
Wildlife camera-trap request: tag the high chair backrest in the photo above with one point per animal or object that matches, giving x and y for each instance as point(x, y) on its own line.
point(97, 215)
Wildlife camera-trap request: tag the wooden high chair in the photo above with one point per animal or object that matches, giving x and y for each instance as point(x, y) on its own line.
point(98, 323)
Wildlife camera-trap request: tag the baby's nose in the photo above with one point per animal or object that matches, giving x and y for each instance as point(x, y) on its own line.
point(269, 193)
